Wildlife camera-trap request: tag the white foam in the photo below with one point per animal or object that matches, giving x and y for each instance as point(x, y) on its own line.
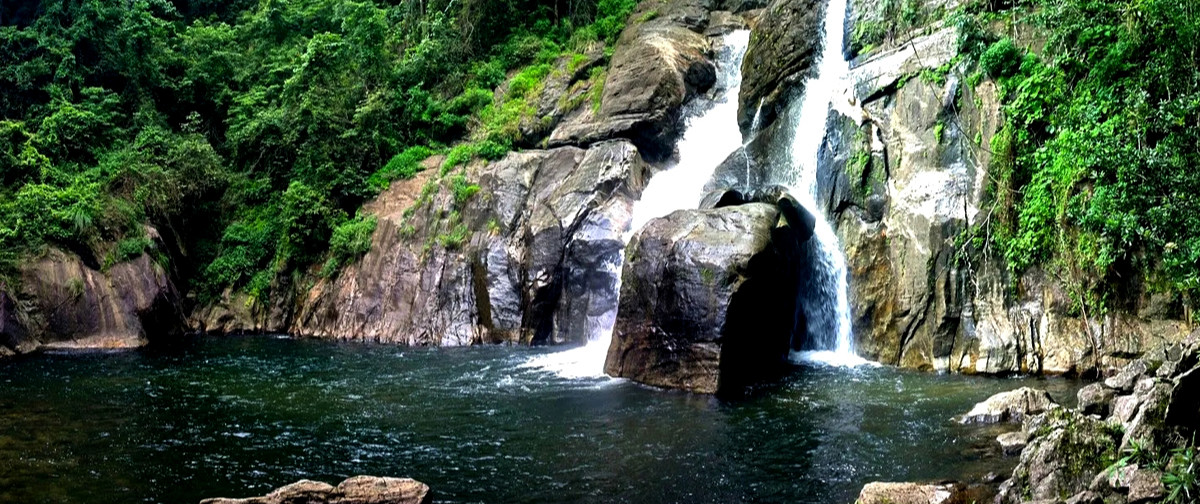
point(832, 358)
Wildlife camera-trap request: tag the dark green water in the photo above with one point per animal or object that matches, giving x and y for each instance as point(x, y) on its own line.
point(239, 416)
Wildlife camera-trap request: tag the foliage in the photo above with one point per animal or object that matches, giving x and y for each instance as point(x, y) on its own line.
point(1001, 59)
point(1095, 169)
point(349, 241)
point(247, 131)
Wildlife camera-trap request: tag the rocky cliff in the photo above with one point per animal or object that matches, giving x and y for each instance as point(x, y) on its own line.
point(526, 248)
point(902, 175)
point(62, 303)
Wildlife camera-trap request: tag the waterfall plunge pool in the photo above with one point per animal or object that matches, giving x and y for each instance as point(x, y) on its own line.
point(239, 416)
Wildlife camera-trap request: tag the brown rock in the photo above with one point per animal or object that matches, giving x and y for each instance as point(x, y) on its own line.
point(912, 493)
point(1095, 399)
point(656, 67)
point(355, 490)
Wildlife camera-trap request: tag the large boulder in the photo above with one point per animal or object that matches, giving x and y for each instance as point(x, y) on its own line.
point(1011, 406)
point(783, 48)
point(660, 61)
point(1063, 458)
point(66, 304)
point(355, 490)
point(527, 259)
point(709, 297)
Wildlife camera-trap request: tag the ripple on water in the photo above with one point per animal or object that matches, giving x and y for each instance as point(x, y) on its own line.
point(477, 424)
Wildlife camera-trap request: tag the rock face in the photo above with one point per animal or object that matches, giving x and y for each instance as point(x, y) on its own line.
point(904, 181)
point(657, 65)
point(554, 221)
point(780, 56)
point(64, 303)
point(708, 298)
point(1012, 406)
point(355, 490)
point(534, 255)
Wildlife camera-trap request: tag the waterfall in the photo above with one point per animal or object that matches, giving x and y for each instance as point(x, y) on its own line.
point(710, 135)
point(826, 299)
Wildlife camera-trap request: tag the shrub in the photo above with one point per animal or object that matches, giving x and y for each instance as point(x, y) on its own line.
point(1001, 59)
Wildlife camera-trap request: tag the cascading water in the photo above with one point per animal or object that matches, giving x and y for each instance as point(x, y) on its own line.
point(710, 136)
point(826, 300)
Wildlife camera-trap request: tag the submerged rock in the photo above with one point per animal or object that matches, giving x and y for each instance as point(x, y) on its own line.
point(912, 493)
point(709, 298)
point(355, 490)
point(1011, 406)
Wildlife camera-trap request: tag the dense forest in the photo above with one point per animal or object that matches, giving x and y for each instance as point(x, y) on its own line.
point(248, 133)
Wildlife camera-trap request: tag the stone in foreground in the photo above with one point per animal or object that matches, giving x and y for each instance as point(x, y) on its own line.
point(911, 493)
point(1011, 406)
point(355, 490)
point(709, 298)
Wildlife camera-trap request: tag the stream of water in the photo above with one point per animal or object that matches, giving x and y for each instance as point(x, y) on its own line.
point(239, 416)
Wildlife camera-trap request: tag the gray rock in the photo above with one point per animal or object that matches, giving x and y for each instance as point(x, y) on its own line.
point(1128, 377)
point(1013, 442)
point(1146, 486)
point(1062, 459)
point(708, 299)
point(1146, 427)
point(1124, 408)
point(1096, 399)
point(1086, 497)
point(537, 259)
point(1011, 406)
point(783, 47)
point(656, 67)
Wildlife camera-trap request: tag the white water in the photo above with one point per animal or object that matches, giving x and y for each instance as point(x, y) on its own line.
point(711, 134)
point(826, 304)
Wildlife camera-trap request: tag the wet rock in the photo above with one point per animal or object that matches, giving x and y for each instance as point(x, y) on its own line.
point(66, 304)
point(1095, 399)
point(1012, 406)
point(1067, 451)
point(709, 299)
point(783, 47)
point(537, 254)
point(355, 490)
point(657, 66)
point(724, 22)
point(1013, 442)
point(911, 493)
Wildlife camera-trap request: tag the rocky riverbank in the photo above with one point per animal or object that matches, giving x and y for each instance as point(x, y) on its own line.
point(1131, 440)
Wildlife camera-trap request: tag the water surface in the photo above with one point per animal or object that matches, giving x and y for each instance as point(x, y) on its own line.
point(239, 416)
